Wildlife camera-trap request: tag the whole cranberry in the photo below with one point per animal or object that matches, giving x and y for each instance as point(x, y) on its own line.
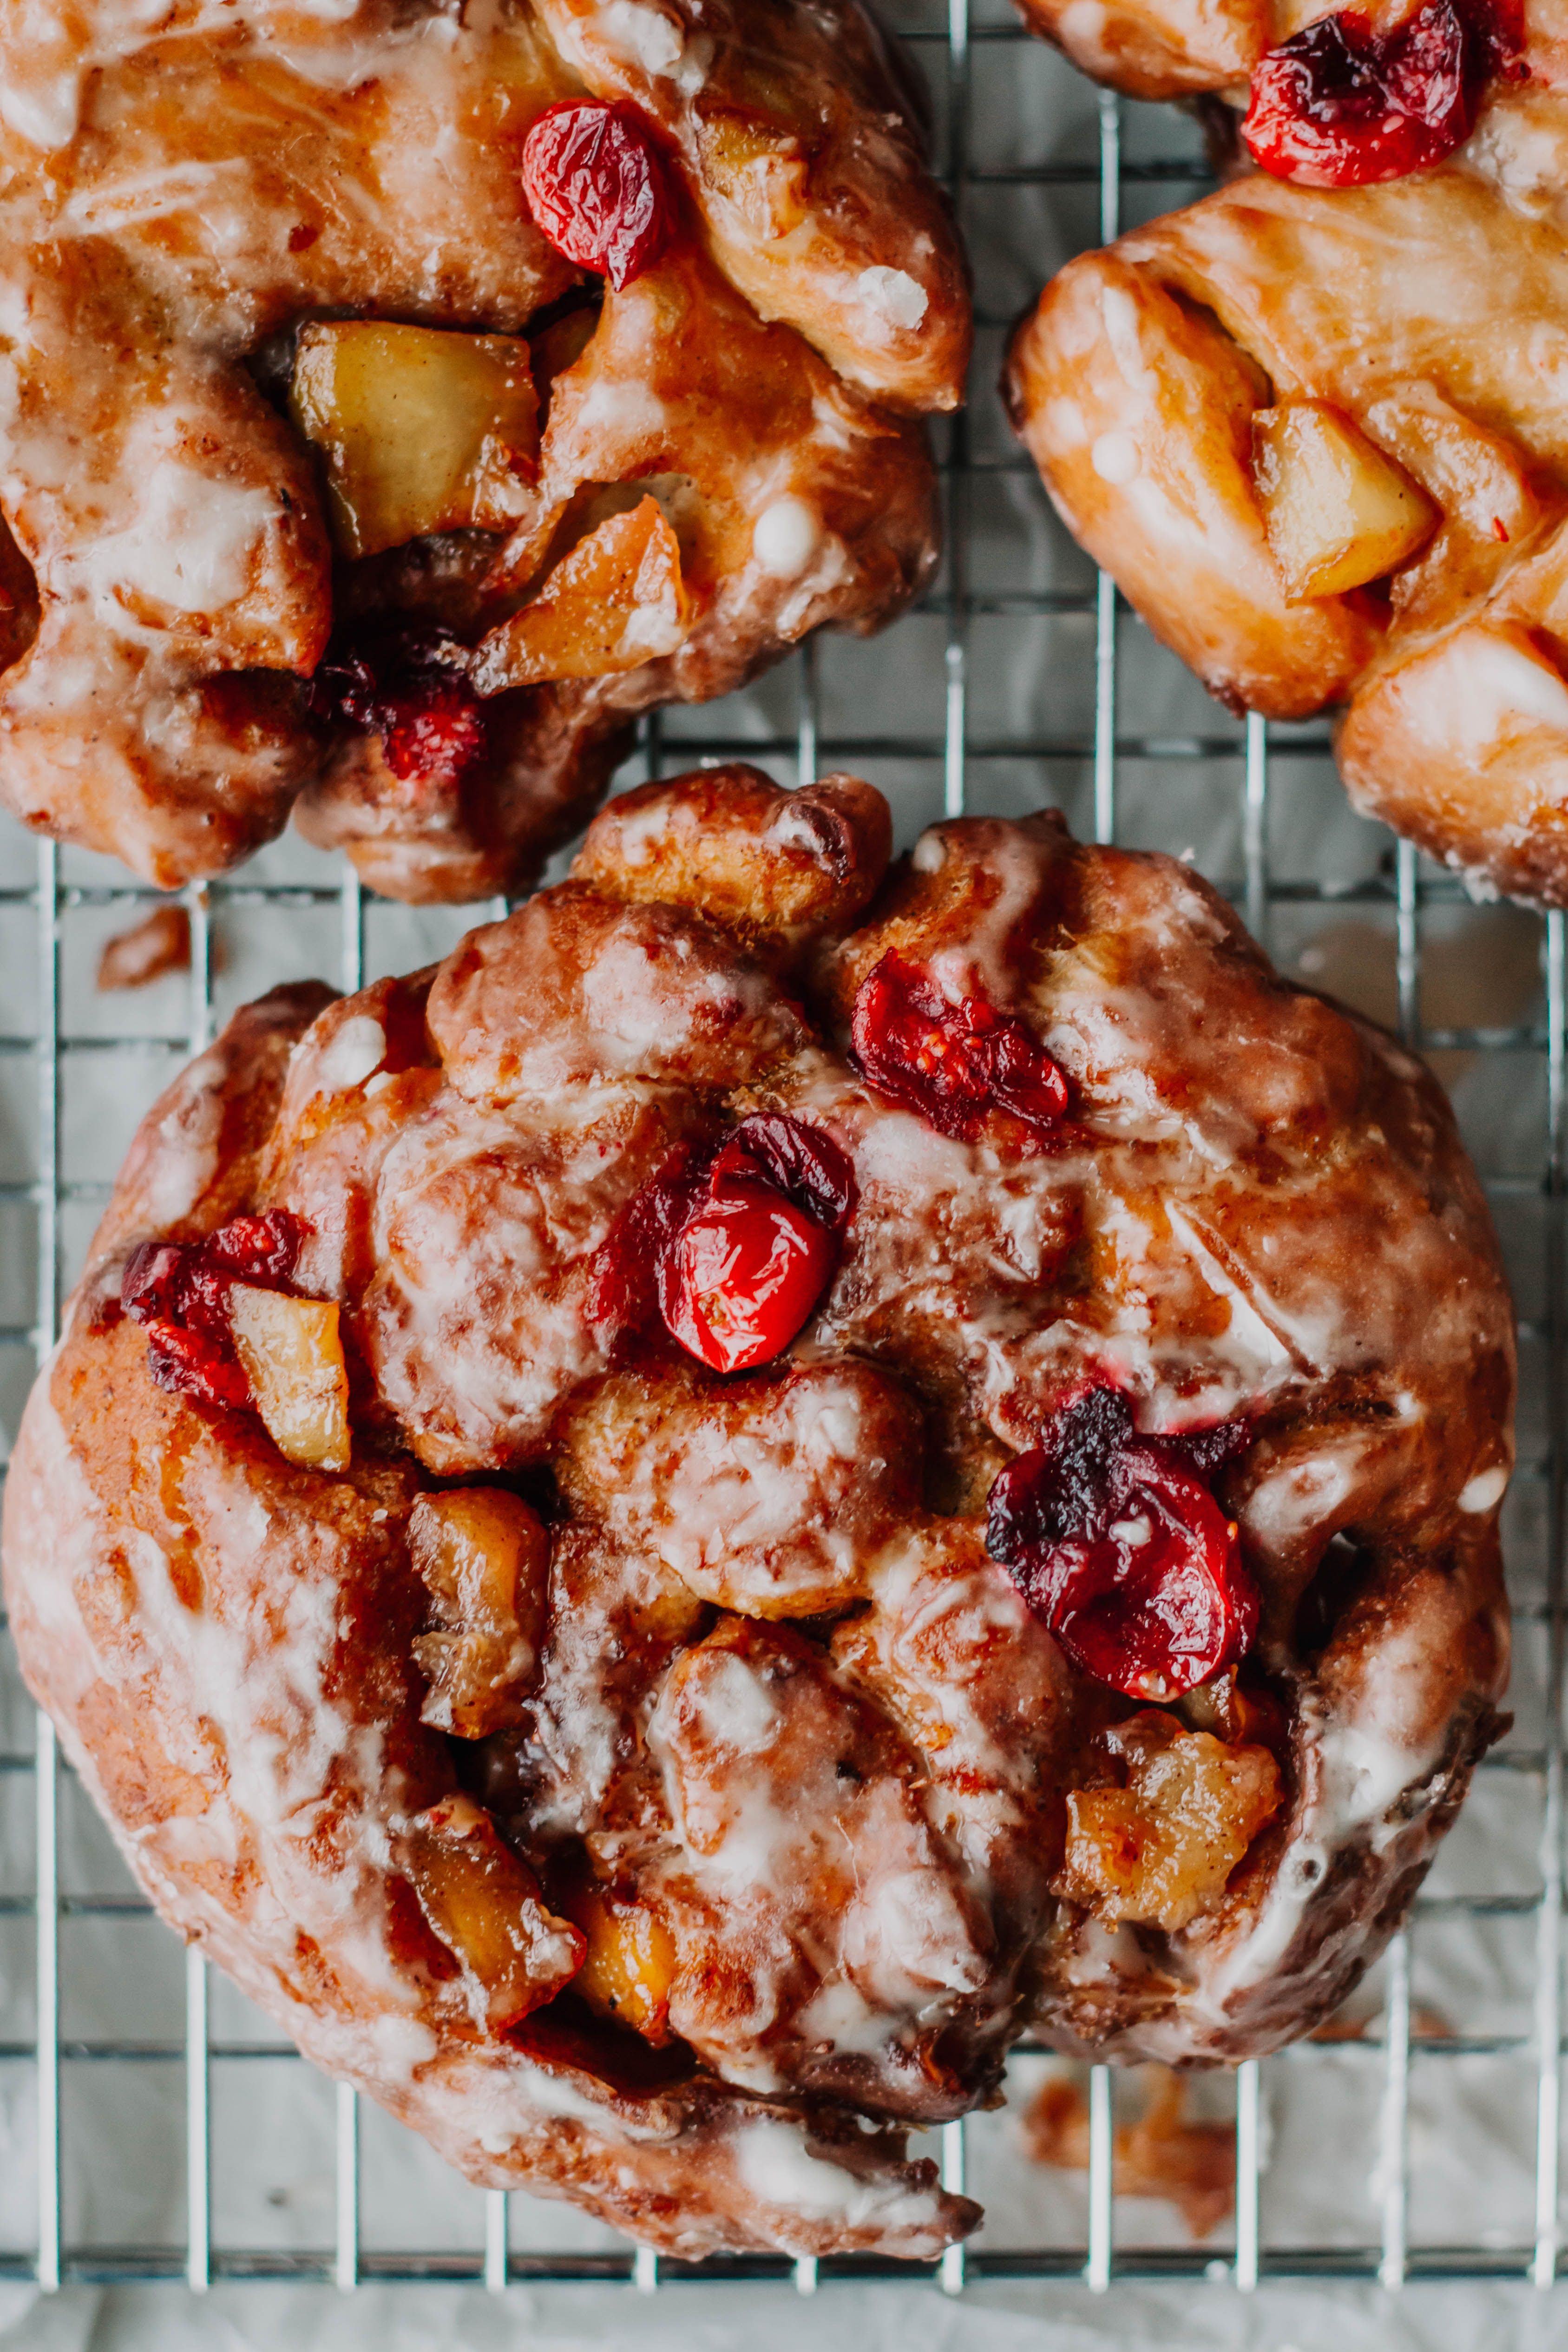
point(1341, 105)
point(743, 1276)
point(731, 1249)
point(598, 188)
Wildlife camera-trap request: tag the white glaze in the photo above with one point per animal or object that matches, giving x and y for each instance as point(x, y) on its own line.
point(353, 1053)
point(893, 297)
point(785, 537)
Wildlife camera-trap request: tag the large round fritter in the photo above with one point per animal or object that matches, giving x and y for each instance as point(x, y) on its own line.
point(641, 1777)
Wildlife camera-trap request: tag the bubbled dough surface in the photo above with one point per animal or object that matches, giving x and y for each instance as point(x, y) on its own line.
point(1262, 1205)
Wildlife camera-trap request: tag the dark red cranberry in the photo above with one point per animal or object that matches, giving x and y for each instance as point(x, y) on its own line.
point(151, 1285)
point(732, 1249)
point(1340, 105)
point(954, 1064)
point(434, 733)
point(178, 1291)
point(406, 686)
point(803, 1163)
point(1117, 1546)
point(189, 1363)
point(623, 1287)
point(597, 187)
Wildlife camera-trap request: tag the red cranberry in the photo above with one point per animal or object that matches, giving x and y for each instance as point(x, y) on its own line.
point(151, 1285)
point(1119, 1548)
point(178, 1291)
point(954, 1064)
point(598, 188)
point(743, 1276)
point(731, 1250)
point(404, 687)
point(434, 733)
point(1340, 104)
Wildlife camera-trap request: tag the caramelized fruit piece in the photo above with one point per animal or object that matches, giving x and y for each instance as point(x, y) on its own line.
point(597, 187)
point(631, 1962)
point(485, 1559)
point(616, 601)
point(1337, 511)
point(1159, 1851)
point(761, 172)
point(292, 1356)
point(1340, 104)
point(420, 430)
point(484, 1906)
point(1119, 1549)
point(953, 1063)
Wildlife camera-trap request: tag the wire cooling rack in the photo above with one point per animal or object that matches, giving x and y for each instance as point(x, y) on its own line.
point(134, 2086)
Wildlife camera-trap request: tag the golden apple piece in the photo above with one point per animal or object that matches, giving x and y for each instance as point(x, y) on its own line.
point(761, 172)
point(419, 430)
point(292, 1353)
point(1337, 511)
point(629, 1964)
point(1160, 1850)
point(484, 1904)
point(485, 1559)
point(615, 602)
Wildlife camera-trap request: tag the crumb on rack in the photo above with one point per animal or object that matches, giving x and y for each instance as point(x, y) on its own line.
point(1166, 2152)
point(160, 943)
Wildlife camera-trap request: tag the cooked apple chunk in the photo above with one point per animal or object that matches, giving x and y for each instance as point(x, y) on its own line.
point(484, 1906)
point(1337, 511)
point(292, 1353)
point(485, 1559)
point(762, 172)
point(631, 1961)
point(1159, 1851)
point(615, 602)
point(419, 430)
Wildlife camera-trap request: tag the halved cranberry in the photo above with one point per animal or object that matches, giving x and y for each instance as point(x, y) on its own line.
point(1119, 1548)
point(178, 1291)
point(1341, 105)
point(954, 1064)
point(743, 1276)
point(406, 686)
point(597, 187)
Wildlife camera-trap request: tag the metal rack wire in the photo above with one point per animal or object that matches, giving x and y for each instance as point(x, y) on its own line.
point(964, 756)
